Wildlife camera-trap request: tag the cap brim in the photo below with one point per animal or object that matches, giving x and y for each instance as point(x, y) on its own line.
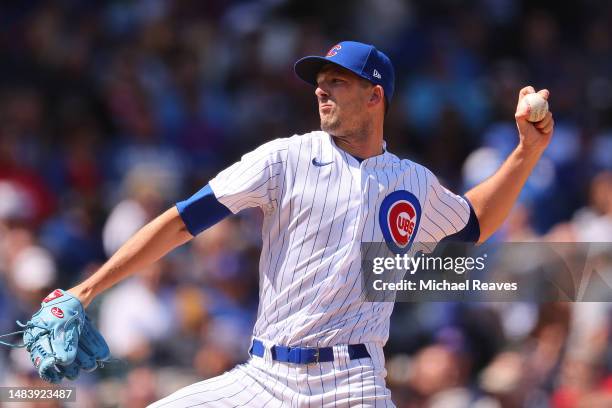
point(307, 68)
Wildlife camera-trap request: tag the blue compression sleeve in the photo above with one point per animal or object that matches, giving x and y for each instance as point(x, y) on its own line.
point(469, 233)
point(201, 210)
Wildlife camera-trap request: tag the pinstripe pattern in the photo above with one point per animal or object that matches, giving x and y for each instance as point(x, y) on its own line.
point(315, 218)
point(262, 384)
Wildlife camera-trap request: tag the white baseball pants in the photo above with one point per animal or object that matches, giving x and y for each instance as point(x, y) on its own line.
point(262, 382)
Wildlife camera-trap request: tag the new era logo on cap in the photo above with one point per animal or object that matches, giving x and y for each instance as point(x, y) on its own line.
point(376, 74)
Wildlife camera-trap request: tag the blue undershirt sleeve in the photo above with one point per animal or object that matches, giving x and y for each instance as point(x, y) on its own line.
point(469, 233)
point(201, 210)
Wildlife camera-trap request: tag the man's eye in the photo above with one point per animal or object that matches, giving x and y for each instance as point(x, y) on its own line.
point(337, 80)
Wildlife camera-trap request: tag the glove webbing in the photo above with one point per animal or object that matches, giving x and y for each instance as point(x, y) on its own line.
point(42, 333)
point(25, 326)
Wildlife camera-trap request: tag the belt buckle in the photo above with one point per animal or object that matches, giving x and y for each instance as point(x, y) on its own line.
point(316, 355)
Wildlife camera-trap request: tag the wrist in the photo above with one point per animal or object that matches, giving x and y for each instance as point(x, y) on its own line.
point(529, 152)
point(84, 294)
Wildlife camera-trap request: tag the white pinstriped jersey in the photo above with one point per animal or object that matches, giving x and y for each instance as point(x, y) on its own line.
point(319, 204)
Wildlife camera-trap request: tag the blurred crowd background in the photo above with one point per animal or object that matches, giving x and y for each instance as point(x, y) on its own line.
point(111, 111)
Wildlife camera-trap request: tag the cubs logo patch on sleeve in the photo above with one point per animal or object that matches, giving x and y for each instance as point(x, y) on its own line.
point(399, 218)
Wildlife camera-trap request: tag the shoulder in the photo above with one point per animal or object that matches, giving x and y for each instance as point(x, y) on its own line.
point(314, 138)
point(417, 170)
point(292, 143)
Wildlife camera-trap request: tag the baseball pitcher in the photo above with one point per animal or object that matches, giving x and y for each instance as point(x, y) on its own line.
point(316, 342)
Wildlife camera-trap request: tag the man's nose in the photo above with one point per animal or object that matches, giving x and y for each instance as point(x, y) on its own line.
point(321, 93)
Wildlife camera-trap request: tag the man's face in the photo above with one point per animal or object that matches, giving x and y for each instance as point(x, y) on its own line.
point(343, 98)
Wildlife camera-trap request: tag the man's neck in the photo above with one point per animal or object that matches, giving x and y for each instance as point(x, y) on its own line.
point(360, 147)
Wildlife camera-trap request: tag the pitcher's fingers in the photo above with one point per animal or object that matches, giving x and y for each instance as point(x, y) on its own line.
point(544, 122)
point(526, 90)
point(522, 110)
point(544, 93)
point(549, 128)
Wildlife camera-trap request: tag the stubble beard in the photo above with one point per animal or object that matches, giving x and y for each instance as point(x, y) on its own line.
point(351, 131)
point(330, 124)
point(333, 126)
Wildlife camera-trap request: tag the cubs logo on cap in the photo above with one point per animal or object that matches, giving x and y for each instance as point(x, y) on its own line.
point(399, 218)
point(333, 50)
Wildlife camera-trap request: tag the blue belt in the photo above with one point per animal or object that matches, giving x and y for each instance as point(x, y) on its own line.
point(306, 355)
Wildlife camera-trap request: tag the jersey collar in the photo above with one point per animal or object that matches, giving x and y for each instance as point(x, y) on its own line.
point(353, 162)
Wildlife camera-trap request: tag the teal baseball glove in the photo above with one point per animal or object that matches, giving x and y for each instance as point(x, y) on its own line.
point(61, 339)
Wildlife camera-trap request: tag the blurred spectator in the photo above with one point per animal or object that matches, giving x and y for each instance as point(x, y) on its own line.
point(145, 201)
point(141, 388)
point(129, 330)
point(594, 223)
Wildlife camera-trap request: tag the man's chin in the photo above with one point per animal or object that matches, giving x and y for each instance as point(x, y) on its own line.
point(329, 127)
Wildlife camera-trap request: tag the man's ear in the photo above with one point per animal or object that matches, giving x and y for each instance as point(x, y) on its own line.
point(377, 95)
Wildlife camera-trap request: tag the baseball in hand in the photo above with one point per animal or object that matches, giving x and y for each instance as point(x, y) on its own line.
point(538, 106)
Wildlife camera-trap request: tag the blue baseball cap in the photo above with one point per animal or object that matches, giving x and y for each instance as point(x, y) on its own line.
point(362, 59)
